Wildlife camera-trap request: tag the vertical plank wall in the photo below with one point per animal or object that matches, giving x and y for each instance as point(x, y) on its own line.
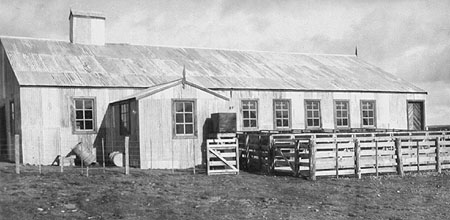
point(159, 149)
point(391, 109)
point(9, 91)
point(46, 118)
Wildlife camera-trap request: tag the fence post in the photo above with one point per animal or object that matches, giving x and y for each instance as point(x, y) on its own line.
point(357, 158)
point(17, 152)
point(297, 158)
point(337, 157)
point(103, 153)
point(39, 155)
point(247, 152)
point(312, 159)
point(438, 156)
point(418, 156)
point(260, 152)
point(398, 150)
point(61, 158)
point(127, 156)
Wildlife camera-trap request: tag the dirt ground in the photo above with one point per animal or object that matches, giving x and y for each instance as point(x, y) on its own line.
point(161, 194)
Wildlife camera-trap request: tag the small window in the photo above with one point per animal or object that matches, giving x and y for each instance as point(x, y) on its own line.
point(368, 118)
point(313, 119)
point(125, 119)
point(282, 115)
point(12, 117)
point(184, 118)
point(84, 114)
point(250, 113)
point(341, 114)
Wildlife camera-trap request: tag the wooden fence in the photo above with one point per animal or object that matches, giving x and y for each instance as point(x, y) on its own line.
point(341, 154)
point(222, 156)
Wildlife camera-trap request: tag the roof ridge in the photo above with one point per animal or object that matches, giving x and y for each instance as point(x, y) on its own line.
point(189, 47)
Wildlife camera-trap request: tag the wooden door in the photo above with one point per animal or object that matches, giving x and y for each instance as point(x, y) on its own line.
point(415, 116)
point(3, 142)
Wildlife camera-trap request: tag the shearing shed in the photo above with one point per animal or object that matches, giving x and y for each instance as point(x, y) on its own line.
point(60, 93)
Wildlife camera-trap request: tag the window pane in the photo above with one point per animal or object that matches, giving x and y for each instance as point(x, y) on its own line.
point(370, 113)
point(179, 129)
point(371, 121)
point(179, 118)
point(279, 123)
point(246, 123)
point(80, 125)
point(79, 115)
point(309, 114)
point(316, 114)
point(179, 107)
point(88, 114)
point(252, 114)
point(89, 125)
point(189, 129)
point(285, 114)
point(252, 105)
point(253, 123)
point(365, 114)
point(188, 106)
point(188, 117)
point(316, 122)
point(339, 114)
point(285, 123)
point(277, 114)
point(344, 122)
point(88, 104)
point(365, 121)
point(309, 122)
point(246, 114)
point(78, 104)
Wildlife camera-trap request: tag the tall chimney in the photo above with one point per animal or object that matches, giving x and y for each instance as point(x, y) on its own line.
point(87, 27)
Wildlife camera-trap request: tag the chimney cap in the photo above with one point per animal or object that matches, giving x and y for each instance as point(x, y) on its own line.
point(86, 14)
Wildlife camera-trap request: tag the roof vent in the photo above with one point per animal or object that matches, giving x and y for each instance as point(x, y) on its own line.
point(87, 27)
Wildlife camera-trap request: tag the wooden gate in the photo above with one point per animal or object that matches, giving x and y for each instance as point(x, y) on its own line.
point(415, 116)
point(222, 156)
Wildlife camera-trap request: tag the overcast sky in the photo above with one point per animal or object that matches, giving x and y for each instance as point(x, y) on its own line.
point(410, 39)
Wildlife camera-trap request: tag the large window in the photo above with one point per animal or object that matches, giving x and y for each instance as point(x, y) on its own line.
point(250, 114)
point(84, 114)
point(282, 115)
point(312, 109)
point(184, 118)
point(341, 114)
point(125, 119)
point(368, 113)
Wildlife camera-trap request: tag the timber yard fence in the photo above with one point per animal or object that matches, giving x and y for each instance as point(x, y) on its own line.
point(344, 154)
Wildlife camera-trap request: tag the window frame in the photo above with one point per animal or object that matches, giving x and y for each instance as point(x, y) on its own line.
point(374, 113)
point(194, 118)
point(257, 115)
point(306, 114)
point(94, 115)
point(335, 114)
point(12, 117)
point(289, 114)
point(122, 131)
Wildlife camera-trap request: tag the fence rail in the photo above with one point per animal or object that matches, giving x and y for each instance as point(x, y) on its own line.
point(341, 154)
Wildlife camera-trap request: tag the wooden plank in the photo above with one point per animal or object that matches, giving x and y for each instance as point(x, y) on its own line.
point(312, 160)
point(357, 159)
point(225, 155)
point(221, 163)
point(398, 147)
point(438, 155)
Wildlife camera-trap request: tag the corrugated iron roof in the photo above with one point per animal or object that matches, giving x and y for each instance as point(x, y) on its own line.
point(59, 63)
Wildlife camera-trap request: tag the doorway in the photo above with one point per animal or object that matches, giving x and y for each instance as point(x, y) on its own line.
point(416, 116)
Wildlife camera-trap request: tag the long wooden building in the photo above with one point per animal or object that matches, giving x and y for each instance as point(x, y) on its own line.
point(55, 94)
